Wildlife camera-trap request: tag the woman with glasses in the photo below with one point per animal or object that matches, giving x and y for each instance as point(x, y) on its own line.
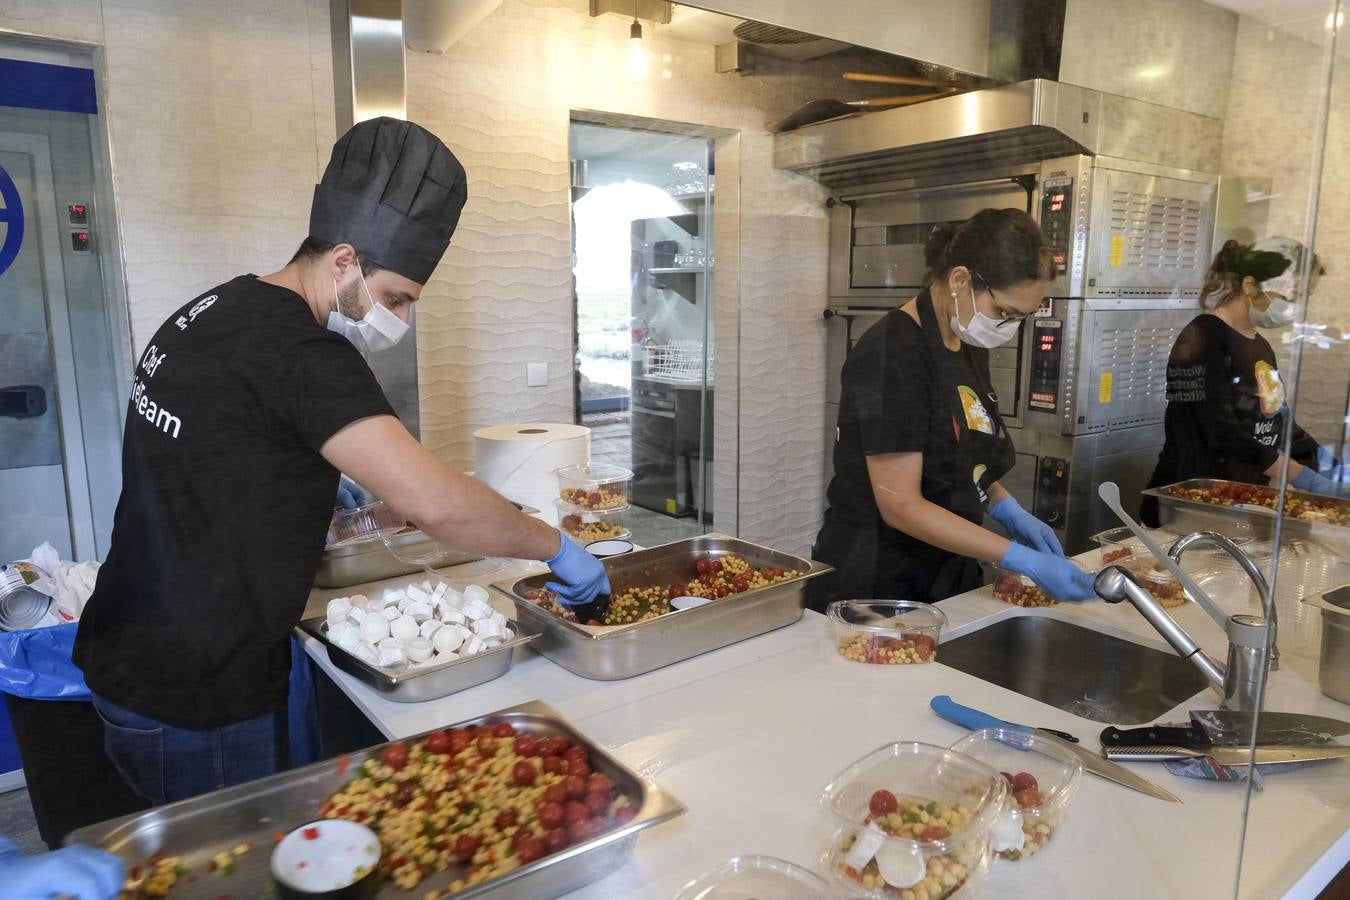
point(1226, 412)
point(920, 447)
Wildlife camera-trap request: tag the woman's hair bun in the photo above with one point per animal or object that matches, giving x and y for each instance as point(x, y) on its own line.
point(935, 248)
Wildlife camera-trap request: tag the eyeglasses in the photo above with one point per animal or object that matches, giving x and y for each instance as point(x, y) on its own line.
point(1003, 313)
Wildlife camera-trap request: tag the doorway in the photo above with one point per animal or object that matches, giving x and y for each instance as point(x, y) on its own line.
point(61, 339)
point(643, 270)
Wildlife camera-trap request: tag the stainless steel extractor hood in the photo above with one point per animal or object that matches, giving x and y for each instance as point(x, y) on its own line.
point(1008, 125)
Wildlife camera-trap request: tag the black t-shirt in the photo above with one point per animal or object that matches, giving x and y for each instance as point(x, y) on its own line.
point(893, 401)
point(1226, 411)
point(225, 506)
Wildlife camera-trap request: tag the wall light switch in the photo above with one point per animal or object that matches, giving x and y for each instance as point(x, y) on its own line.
point(536, 374)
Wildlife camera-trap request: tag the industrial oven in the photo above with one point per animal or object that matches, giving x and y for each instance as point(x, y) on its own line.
point(1083, 388)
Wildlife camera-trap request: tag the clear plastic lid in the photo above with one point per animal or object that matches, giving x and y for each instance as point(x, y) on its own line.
point(887, 616)
point(374, 521)
point(761, 877)
point(1056, 770)
point(593, 474)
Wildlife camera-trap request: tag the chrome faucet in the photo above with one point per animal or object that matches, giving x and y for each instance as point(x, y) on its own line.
point(1239, 682)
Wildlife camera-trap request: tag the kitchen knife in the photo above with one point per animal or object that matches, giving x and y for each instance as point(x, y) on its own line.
point(973, 719)
point(1228, 756)
point(1234, 728)
point(1196, 736)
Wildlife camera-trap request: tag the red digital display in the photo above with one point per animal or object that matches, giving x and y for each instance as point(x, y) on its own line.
point(1056, 202)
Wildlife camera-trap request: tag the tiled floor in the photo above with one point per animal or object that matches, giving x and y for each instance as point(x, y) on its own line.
point(611, 443)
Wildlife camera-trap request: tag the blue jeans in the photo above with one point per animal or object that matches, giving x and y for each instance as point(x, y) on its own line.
point(162, 763)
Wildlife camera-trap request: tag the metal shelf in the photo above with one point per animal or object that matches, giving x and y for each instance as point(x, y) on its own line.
point(697, 270)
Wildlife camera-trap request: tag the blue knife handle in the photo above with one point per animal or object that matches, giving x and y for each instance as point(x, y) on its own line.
point(970, 718)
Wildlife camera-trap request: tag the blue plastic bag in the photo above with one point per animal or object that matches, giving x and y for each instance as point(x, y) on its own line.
point(36, 664)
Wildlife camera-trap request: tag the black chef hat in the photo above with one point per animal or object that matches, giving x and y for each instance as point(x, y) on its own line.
point(394, 192)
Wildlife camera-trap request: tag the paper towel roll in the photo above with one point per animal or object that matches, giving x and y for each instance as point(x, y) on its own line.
point(518, 460)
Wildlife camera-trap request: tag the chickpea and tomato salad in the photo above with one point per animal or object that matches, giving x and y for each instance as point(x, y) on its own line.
point(486, 799)
point(903, 649)
point(1025, 794)
point(1299, 506)
point(596, 498)
point(1155, 579)
point(915, 819)
point(713, 578)
point(1012, 590)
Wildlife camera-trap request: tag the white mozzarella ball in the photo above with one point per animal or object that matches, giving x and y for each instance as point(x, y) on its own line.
point(357, 615)
point(449, 639)
point(375, 628)
point(403, 628)
point(350, 640)
point(366, 653)
point(390, 613)
point(419, 611)
point(476, 592)
point(419, 649)
point(429, 628)
point(473, 645)
point(901, 865)
point(391, 656)
point(452, 616)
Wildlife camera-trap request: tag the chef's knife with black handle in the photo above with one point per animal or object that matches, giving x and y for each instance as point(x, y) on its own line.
point(1229, 756)
point(974, 719)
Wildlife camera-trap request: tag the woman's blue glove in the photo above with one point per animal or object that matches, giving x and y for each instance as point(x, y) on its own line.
point(77, 871)
point(1055, 575)
point(350, 495)
point(581, 577)
point(1024, 527)
point(1310, 481)
point(1328, 466)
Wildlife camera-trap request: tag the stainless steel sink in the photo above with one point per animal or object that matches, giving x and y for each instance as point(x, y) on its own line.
point(1081, 671)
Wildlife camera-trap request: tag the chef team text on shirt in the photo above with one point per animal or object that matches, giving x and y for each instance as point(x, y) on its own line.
point(141, 404)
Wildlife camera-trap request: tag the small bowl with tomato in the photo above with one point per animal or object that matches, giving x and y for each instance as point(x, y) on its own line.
point(886, 632)
point(911, 815)
point(1041, 775)
point(329, 858)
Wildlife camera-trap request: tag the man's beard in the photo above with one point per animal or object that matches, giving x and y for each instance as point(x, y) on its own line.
point(349, 301)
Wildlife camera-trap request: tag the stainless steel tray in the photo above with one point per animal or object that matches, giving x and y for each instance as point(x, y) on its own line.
point(431, 683)
point(199, 828)
point(1181, 515)
point(366, 561)
point(623, 651)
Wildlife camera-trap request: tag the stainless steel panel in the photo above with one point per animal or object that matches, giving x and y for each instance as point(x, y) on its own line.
point(417, 685)
point(1182, 515)
point(201, 827)
point(1081, 671)
point(626, 650)
point(34, 440)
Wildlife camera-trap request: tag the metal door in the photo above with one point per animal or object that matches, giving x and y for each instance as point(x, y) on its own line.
point(46, 492)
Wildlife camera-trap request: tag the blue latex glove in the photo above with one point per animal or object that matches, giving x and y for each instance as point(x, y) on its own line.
point(1328, 466)
point(1310, 481)
point(581, 577)
point(350, 495)
point(80, 872)
point(1024, 527)
point(1055, 575)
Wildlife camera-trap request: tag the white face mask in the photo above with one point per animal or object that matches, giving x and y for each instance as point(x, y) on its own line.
point(1277, 315)
point(379, 329)
point(983, 331)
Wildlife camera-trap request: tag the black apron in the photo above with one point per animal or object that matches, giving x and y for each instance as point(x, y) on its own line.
point(970, 452)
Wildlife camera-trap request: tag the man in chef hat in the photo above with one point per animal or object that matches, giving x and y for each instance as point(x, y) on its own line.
point(246, 405)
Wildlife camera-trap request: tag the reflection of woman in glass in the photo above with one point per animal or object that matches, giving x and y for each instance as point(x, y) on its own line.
point(1226, 412)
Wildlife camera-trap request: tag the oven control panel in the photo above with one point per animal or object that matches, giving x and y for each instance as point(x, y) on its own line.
point(1057, 220)
point(1047, 351)
point(1052, 491)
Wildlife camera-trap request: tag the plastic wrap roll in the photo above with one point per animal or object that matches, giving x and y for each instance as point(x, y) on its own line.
point(518, 460)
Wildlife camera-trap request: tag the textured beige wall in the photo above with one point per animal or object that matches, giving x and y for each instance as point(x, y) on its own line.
point(220, 117)
point(1270, 131)
point(502, 99)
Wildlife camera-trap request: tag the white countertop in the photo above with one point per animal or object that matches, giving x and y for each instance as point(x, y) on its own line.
point(746, 736)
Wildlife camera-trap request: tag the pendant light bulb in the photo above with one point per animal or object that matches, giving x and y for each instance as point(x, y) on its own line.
point(639, 61)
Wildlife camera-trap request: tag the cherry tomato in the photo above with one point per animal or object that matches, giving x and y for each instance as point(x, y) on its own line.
point(1024, 781)
point(1028, 798)
point(555, 840)
point(575, 753)
point(551, 815)
point(506, 818)
point(503, 729)
point(597, 804)
point(720, 590)
point(555, 793)
point(467, 846)
point(579, 831)
point(522, 834)
point(675, 590)
point(740, 584)
point(553, 765)
point(883, 803)
point(624, 814)
point(395, 756)
point(438, 742)
point(702, 566)
point(575, 786)
point(1007, 776)
point(933, 833)
point(459, 740)
point(574, 812)
point(487, 745)
point(530, 849)
point(526, 746)
point(523, 774)
point(578, 767)
point(599, 784)
point(554, 746)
